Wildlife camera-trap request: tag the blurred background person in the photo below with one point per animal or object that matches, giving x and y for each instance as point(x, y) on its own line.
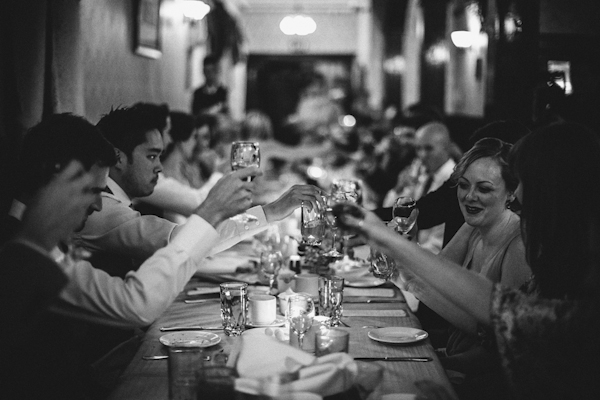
point(211, 97)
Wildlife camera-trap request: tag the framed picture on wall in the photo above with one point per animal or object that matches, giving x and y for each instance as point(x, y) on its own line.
point(147, 41)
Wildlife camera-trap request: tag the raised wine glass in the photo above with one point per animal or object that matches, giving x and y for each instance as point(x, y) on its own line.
point(243, 155)
point(300, 314)
point(312, 225)
point(404, 214)
point(270, 264)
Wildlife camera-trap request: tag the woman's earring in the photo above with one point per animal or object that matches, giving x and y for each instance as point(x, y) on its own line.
point(509, 201)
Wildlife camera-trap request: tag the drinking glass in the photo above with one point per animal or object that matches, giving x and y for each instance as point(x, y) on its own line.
point(404, 214)
point(243, 155)
point(312, 225)
point(331, 296)
point(270, 264)
point(346, 191)
point(217, 383)
point(382, 266)
point(234, 307)
point(300, 314)
point(331, 341)
point(331, 220)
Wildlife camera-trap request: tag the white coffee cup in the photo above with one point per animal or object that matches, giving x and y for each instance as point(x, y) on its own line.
point(263, 309)
point(307, 283)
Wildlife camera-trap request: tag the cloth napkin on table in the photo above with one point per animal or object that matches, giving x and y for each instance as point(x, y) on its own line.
point(262, 357)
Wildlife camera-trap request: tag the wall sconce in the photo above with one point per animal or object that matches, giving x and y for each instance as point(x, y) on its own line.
point(466, 24)
point(298, 24)
point(462, 39)
point(195, 10)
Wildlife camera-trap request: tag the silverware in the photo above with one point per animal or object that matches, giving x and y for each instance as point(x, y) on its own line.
point(153, 358)
point(190, 328)
point(417, 359)
point(372, 301)
point(192, 301)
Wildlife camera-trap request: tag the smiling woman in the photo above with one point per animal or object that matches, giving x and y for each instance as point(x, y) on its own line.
point(490, 244)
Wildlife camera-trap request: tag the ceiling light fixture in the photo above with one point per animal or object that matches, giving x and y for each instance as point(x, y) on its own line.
point(195, 10)
point(298, 24)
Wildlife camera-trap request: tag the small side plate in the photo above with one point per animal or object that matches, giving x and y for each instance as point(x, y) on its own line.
point(279, 321)
point(364, 282)
point(190, 339)
point(398, 335)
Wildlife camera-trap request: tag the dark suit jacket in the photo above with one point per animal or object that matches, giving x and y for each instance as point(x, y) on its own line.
point(35, 357)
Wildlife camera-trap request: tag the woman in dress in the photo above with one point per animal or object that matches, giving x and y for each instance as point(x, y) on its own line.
point(548, 334)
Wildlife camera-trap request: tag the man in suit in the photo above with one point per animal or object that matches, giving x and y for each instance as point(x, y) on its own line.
point(31, 283)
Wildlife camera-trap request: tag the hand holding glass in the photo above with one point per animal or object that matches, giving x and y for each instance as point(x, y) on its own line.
point(243, 155)
point(312, 225)
point(404, 214)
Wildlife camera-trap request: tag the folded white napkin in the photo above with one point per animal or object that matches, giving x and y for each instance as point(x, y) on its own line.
point(263, 357)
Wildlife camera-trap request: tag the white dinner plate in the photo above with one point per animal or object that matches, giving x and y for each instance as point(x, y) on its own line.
point(364, 282)
point(279, 321)
point(190, 339)
point(397, 335)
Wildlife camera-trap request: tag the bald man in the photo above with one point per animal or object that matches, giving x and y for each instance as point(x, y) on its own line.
point(432, 167)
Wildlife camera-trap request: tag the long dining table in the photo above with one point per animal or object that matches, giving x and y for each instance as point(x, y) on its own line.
point(148, 379)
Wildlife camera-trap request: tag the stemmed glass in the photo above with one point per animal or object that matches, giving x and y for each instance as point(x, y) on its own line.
point(243, 155)
point(312, 226)
point(404, 214)
point(300, 314)
point(270, 264)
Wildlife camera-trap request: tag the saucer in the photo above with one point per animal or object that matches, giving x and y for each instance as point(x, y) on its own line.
point(279, 321)
point(190, 339)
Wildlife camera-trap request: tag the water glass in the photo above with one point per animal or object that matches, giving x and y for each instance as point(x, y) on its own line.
point(216, 383)
point(234, 306)
point(382, 266)
point(312, 225)
point(329, 341)
point(184, 364)
point(331, 297)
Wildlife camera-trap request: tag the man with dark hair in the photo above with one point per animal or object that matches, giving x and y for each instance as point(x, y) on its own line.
point(30, 283)
point(119, 238)
point(92, 295)
point(210, 98)
point(47, 148)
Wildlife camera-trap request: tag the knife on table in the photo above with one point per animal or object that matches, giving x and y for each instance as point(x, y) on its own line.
point(190, 328)
point(372, 301)
point(417, 359)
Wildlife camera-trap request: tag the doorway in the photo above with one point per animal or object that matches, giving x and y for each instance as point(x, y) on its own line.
point(275, 83)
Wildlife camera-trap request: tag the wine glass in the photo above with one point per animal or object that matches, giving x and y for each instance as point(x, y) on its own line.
point(404, 214)
point(270, 264)
point(312, 225)
point(243, 155)
point(300, 314)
